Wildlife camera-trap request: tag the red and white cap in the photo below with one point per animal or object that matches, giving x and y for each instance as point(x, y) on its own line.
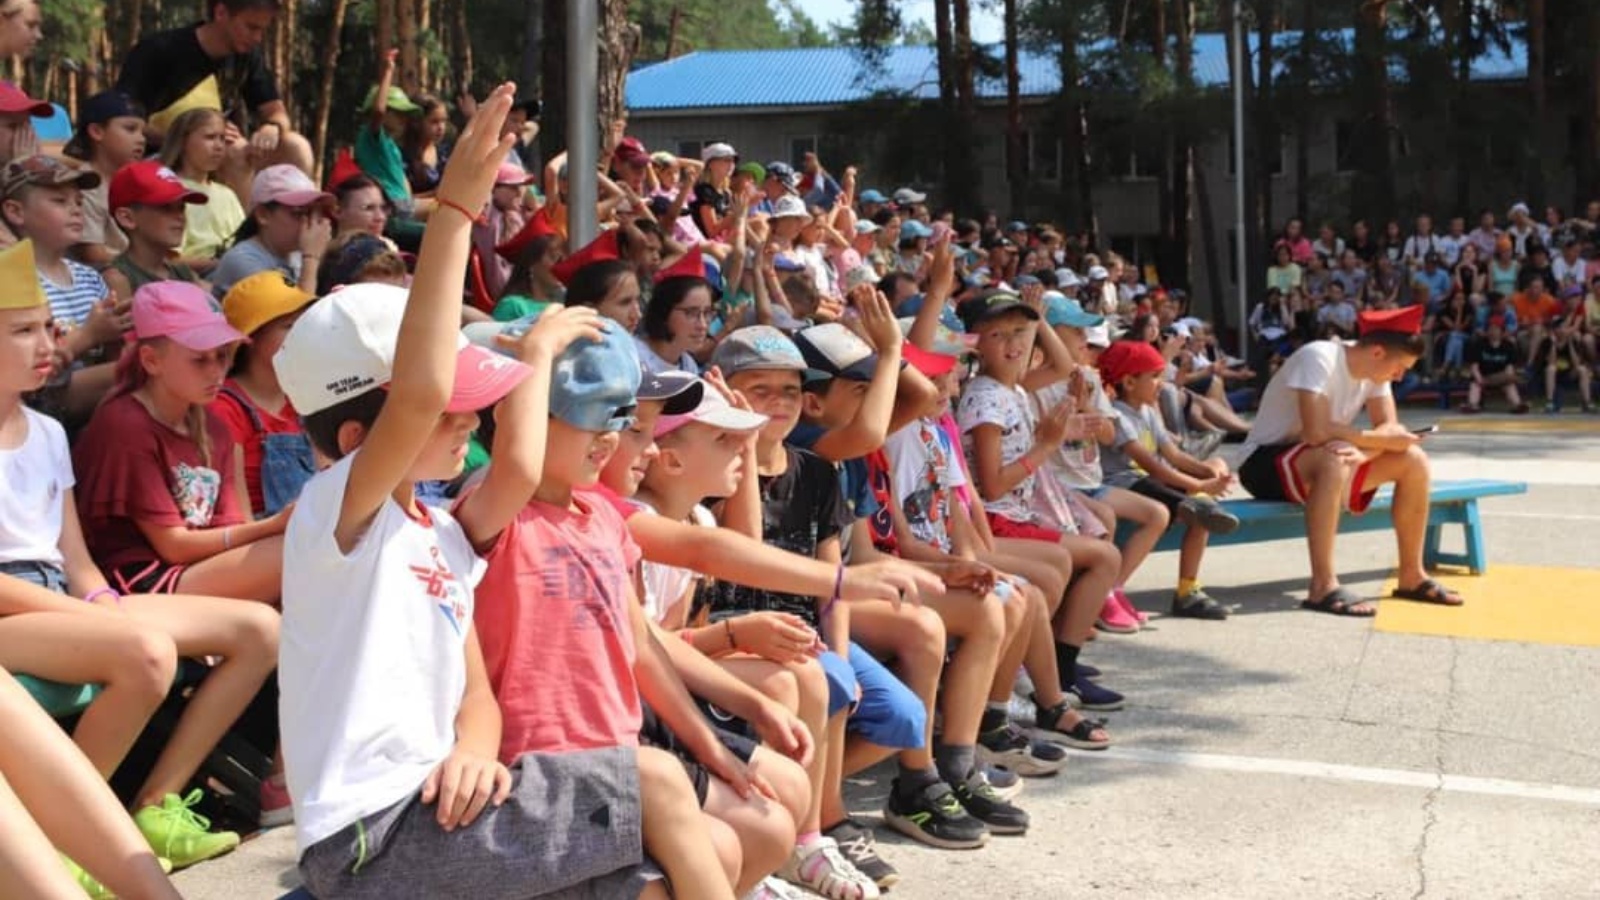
point(343, 346)
point(149, 183)
point(285, 185)
point(714, 410)
point(14, 100)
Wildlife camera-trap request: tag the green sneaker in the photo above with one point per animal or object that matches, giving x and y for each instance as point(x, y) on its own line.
point(178, 833)
point(91, 886)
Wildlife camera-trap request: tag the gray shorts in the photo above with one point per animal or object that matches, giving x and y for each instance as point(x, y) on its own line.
point(570, 830)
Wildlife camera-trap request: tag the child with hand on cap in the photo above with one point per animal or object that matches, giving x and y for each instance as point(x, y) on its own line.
point(376, 150)
point(155, 466)
point(110, 135)
point(566, 647)
point(61, 620)
point(380, 649)
point(17, 137)
point(1143, 458)
point(289, 229)
point(149, 206)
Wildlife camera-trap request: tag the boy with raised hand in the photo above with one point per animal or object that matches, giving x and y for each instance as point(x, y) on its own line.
point(1145, 459)
point(390, 728)
point(839, 363)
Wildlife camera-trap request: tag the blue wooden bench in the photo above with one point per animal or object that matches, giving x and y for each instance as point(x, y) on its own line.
point(1450, 503)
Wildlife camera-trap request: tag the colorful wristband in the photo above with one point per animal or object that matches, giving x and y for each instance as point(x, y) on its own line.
point(101, 592)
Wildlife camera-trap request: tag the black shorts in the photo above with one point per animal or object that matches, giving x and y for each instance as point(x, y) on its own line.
point(1269, 473)
point(152, 577)
point(654, 733)
point(1155, 490)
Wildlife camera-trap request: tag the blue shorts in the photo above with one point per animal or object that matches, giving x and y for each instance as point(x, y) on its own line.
point(46, 575)
point(889, 714)
point(841, 682)
point(1094, 493)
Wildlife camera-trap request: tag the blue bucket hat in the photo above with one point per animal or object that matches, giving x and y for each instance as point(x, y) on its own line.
point(594, 386)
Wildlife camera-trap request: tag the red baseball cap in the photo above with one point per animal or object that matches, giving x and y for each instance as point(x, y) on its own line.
point(1125, 358)
point(1405, 320)
point(929, 363)
point(13, 100)
point(183, 312)
point(149, 183)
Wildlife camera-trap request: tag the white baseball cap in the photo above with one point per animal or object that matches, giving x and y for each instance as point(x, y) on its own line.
point(789, 207)
point(1098, 336)
point(906, 196)
point(718, 150)
point(1066, 278)
point(343, 346)
point(714, 410)
point(1098, 273)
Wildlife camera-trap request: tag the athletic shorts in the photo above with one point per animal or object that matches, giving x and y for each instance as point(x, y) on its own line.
point(152, 577)
point(654, 733)
point(570, 830)
point(1268, 473)
point(1031, 531)
point(889, 714)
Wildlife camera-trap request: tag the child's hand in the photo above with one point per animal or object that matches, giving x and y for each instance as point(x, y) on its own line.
point(557, 327)
point(1218, 486)
point(106, 322)
point(479, 151)
point(780, 637)
point(891, 579)
point(463, 785)
point(1217, 466)
point(1052, 428)
point(878, 323)
point(280, 519)
point(969, 575)
point(829, 309)
point(389, 57)
point(781, 730)
point(316, 233)
point(721, 762)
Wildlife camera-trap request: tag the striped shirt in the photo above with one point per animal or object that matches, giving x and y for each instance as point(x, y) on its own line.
point(71, 303)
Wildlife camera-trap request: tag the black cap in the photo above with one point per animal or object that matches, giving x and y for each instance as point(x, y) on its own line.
point(785, 174)
point(990, 304)
point(98, 110)
point(680, 390)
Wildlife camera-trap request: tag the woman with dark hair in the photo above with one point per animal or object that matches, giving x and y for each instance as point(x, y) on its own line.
point(532, 285)
point(422, 144)
point(611, 287)
point(677, 324)
point(362, 207)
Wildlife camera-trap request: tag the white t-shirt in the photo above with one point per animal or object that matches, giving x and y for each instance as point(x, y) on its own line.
point(988, 402)
point(665, 586)
point(1076, 464)
point(925, 472)
point(37, 475)
point(1567, 273)
point(655, 365)
point(371, 661)
point(1320, 367)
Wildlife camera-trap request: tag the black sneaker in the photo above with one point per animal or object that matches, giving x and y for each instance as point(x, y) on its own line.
point(980, 800)
point(1208, 514)
point(1198, 605)
point(860, 846)
point(1009, 748)
point(1085, 694)
point(935, 817)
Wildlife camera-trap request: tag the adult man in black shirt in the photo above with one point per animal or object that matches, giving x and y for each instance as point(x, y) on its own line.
point(218, 63)
point(1493, 361)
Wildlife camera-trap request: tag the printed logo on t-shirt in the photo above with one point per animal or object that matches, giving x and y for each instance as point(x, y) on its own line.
point(195, 489)
point(444, 588)
point(593, 585)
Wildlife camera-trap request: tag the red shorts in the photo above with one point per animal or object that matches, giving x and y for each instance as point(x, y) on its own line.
point(1006, 528)
point(1269, 474)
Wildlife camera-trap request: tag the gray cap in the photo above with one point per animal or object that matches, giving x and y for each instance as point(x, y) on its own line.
point(757, 347)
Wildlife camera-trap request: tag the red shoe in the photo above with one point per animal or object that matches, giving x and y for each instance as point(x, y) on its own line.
point(1116, 619)
point(1127, 604)
point(276, 809)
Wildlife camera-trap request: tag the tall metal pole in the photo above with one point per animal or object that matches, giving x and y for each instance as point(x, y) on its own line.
point(1241, 259)
point(583, 117)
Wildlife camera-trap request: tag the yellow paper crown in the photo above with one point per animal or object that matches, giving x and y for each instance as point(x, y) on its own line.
point(19, 278)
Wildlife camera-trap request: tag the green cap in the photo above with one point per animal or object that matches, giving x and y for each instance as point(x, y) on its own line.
point(754, 169)
point(398, 101)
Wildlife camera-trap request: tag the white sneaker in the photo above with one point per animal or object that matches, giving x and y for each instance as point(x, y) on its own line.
point(773, 888)
point(820, 867)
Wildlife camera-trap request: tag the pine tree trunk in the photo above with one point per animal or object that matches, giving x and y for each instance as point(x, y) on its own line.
point(951, 142)
point(1303, 120)
point(383, 18)
point(406, 24)
point(461, 49)
point(1372, 190)
point(1016, 168)
point(964, 170)
point(1457, 14)
point(1178, 267)
point(1266, 146)
point(1589, 167)
point(1078, 200)
point(1539, 97)
point(619, 41)
point(1164, 185)
point(424, 26)
point(329, 63)
point(553, 79)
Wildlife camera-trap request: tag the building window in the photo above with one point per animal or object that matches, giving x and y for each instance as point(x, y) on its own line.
point(1344, 146)
point(1042, 155)
point(690, 149)
point(1276, 163)
point(800, 146)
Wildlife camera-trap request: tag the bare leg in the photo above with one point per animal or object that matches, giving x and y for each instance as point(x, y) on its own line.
point(246, 637)
point(1219, 413)
point(254, 572)
point(1326, 475)
point(979, 621)
point(812, 707)
point(134, 663)
point(1097, 564)
point(830, 808)
point(676, 833)
point(1152, 519)
point(1040, 659)
point(765, 830)
point(1023, 611)
point(915, 636)
point(725, 842)
point(74, 808)
point(1410, 474)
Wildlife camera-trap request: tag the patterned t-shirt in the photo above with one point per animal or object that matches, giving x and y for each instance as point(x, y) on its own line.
point(988, 402)
point(72, 302)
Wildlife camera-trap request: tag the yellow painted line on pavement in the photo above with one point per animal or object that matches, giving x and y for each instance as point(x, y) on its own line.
point(1522, 425)
point(1528, 604)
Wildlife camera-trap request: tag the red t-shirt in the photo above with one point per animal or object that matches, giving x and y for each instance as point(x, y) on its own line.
point(553, 618)
point(132, 468)
point(228, 409)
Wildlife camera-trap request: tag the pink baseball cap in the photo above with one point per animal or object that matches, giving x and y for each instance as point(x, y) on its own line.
point(285, 185)
point(511, 173)
point(13, 100)
point(182, 312)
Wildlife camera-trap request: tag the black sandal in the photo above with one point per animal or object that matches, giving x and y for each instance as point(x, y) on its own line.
point(1080, 736)
point(1430, 591)
point(1341, 602)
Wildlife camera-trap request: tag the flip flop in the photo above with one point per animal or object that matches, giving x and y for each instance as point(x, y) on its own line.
point(1341, 602)
point(1430, 591)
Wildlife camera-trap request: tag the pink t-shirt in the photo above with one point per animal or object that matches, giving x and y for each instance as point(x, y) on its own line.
point(554, 623)
point(132, 468)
